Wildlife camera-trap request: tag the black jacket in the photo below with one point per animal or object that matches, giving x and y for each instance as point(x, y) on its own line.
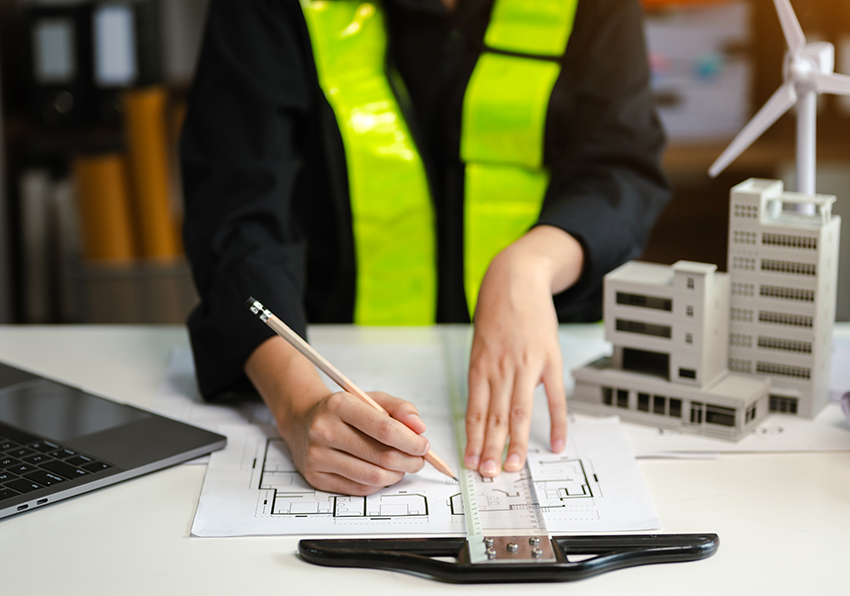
point(265, 185)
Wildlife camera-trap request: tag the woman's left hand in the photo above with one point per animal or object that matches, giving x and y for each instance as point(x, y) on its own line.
point(515, 347)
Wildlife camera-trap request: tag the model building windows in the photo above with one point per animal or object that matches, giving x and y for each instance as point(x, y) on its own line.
point(789, 267)
point(719, 415)
point(644, 301)
point(791, 320)
point(696, 412)
point(687, 373)
point(644, 328)
point(790, 241)
point(783, 293)
point(643, 402)
point(786, 370)
point(751, 413)
point(622, 398)
point(647, 362)
point(785, 405)
point(690, 283)
point(689, 310)
point(689, 338)
point(675, 407)
point(607, 396)
point(659, 404)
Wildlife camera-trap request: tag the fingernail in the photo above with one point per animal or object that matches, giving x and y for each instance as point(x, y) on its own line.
point(558, 446)
point(512, 464)
point(418, 419)
point(489, 468)
point(472, 462)
point(427, 448)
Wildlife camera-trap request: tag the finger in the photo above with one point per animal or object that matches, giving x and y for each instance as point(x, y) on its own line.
point(402, 410)
point(476, 418)
point(334, 483)
point(368, 449)
point(520, 418)
point(358, 470)
point(380, 426)
point(497, 425)
point(553, 381)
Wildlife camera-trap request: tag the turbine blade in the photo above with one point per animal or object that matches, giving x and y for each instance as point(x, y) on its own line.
point(790, 26)
point(838, 84)
point(780, 102)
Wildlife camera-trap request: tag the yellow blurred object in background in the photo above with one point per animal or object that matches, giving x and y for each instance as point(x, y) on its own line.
point(103, 205)
point(148, 151)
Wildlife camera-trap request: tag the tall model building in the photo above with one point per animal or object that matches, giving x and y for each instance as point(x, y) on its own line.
point(783, 263)
point(670, 330)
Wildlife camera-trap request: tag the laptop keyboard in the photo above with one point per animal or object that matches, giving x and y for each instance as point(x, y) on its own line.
point(28, 463)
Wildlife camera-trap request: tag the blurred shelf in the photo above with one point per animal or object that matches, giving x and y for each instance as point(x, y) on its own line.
point(766, 154)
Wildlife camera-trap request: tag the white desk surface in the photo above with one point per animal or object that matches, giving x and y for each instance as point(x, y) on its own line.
point(783, 519)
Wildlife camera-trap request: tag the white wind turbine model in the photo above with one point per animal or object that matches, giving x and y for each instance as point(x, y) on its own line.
point(808, 72)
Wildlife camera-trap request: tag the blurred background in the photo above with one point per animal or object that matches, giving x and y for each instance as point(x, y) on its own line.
point(93, 96)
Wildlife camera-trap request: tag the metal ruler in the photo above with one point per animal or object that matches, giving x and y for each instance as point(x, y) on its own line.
point(504, 522)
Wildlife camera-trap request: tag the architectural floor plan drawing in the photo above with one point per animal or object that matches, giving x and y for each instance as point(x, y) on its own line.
point(282, 491)
point(252, 488)
point(558, 481)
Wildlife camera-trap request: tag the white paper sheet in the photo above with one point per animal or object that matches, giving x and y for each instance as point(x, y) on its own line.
point(179, 398)
point(830, 431)
point(252, 488)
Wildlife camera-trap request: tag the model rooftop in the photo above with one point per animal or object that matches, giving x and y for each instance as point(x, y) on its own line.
point(652, 274)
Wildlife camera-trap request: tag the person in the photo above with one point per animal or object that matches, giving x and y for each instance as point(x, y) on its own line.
point(412, 162)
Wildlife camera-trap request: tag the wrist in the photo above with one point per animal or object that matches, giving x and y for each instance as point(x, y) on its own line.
point(545, 255)
point(286, 380)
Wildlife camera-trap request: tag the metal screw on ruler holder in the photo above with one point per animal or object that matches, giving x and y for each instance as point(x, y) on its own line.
point(488, 542)
point(513, 547)
point(536, 553)
point(491, 554)
point(534, 541)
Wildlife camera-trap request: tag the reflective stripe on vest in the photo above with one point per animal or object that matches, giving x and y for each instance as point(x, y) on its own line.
point(502, 140)
point(503, 128)
point(391, 210)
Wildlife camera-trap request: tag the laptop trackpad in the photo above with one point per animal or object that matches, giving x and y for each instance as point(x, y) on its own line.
point(60, 412)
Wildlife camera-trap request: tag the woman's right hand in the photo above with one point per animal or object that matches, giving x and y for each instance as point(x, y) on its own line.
point(338, 442)
point(342, 444)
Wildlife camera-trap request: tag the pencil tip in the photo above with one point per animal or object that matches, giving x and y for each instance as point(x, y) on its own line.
point(455, 479)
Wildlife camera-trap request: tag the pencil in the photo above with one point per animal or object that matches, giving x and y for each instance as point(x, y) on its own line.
point(283, 330)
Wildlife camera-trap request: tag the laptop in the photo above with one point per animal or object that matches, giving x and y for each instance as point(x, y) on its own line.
point(58, 441)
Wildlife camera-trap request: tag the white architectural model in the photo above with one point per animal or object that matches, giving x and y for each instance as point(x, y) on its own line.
point(783, 264)
point(670, 330)
point(784, 269)
point(775, 330)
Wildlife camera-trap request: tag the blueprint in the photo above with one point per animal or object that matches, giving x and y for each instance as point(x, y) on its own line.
point(252, 488)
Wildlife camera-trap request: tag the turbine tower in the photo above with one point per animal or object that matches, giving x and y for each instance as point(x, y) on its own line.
point(809, 71)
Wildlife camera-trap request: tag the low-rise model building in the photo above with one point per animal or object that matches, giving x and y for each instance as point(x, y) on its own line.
point(670, 329)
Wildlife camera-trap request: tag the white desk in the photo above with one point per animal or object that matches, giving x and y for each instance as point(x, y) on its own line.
point(783, 520)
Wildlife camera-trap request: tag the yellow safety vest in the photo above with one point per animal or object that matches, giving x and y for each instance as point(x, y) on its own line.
point(503, 126)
